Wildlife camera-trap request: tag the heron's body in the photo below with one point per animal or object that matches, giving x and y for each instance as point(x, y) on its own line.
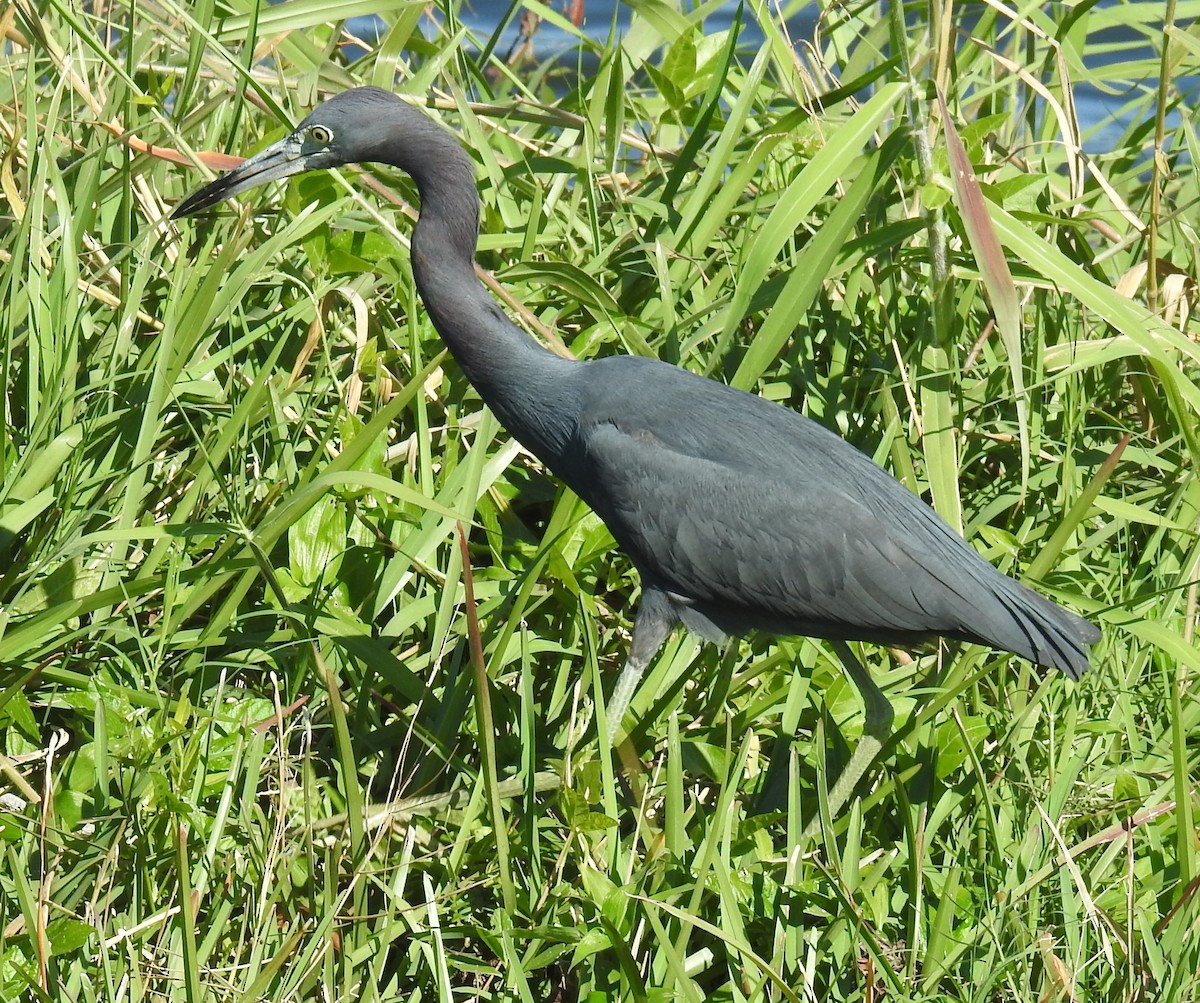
point(738, 513)
point(750, 516)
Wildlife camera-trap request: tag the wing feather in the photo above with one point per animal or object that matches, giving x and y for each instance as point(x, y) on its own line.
point(803, 552)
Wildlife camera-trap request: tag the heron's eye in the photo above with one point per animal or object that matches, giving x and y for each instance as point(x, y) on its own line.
point(321, 135)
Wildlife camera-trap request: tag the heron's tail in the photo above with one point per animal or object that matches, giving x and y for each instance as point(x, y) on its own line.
point(1044, 632)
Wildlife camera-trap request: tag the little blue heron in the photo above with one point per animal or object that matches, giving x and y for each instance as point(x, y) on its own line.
point(738, 514)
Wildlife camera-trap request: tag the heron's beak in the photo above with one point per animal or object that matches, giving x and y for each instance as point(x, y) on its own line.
point(280, 160)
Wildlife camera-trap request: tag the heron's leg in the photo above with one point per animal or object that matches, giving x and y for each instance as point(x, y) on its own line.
point(654, 621)
point(622, 694)
point(876, 729)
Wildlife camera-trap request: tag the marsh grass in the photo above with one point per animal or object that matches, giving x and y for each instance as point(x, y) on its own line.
point(245, 657)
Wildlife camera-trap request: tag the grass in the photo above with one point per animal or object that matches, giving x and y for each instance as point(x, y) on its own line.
point(273, 729)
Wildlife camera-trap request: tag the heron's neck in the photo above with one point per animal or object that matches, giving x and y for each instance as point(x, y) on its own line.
point(519, 380)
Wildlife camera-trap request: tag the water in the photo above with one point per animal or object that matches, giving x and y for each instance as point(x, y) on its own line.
point(1099, 113)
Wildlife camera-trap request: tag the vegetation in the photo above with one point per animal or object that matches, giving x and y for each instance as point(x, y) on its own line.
point(273, 730)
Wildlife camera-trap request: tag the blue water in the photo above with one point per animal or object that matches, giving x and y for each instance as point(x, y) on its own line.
point(605, 19)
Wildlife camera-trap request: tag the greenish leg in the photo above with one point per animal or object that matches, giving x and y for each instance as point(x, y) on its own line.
point(876, 729)
point(622, 694)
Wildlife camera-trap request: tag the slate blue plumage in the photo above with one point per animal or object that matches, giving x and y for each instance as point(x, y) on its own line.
point(738, 513)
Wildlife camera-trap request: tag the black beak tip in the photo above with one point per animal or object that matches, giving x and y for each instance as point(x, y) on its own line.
point(191, 205)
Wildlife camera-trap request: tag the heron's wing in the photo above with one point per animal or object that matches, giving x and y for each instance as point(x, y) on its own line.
point(809, 534)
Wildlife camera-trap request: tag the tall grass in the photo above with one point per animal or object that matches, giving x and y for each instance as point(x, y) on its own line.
point(245, 657)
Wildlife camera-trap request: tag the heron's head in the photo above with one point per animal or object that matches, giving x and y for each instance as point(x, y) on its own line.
point(352, 127)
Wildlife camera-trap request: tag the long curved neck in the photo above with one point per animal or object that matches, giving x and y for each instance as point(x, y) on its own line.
point(519, 380)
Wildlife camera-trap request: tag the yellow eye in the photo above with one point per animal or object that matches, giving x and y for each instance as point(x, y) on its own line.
point(321, 135)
